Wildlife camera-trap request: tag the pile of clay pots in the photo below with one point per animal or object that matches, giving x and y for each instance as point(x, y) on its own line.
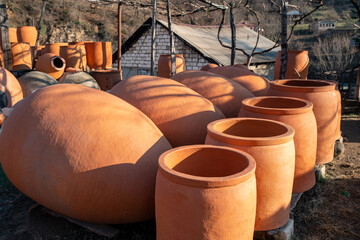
point(210, 154)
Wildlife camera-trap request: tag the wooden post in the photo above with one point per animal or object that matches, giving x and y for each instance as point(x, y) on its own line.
point(119, 38)
point(284, 44)
point(233, 34)
point(5, 41)
point(357, 89)
point(172, 48)
point(38, 32)
point(153, 34)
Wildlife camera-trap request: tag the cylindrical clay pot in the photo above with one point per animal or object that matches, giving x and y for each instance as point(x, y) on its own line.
point(21, 56)
point(164, 65)
point(271, 144)
point(51, 64)
point(58, 49)
point(99, 55)
point(76, 56)
point(205, 192)
point(107, 79)
point(27, 34)
point(298, 114)
point(322, 94)
point(298, 60)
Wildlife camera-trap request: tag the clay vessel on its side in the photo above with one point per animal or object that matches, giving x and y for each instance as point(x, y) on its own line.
point(179, 112)
point(208, 66)
point(51, 64)
point(297, 65)
point(298, 114)
point(221, 91)
point(106, 79)
point(164, 65)
point(271, 144)
point(205, 192)
point(96, 154)
point(35, 80)
point(322, 94)
point(256, 84)
point(21, 56)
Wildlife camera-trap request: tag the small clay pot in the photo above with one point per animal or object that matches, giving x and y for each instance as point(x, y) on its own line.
point(51, 64)
point(106, 79)
point(323, 96)
point(81, 78)
point(271, 144)
point(221, 91)
point(21, 56)
point(298, 114)
point(298, 60)
point(10, 89)
point(208, 66)
point(164, 65)
point(256, 84)
point(205, 192)
point(27, 34)
point(76, 56)
point(99, 55)
point(35, 80)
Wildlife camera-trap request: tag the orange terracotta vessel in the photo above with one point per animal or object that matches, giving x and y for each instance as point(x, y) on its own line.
point(13, 35)
point(205, 192)
point(76, 56)
point(338, 96)
point(107, 79)
point(298, 114)
point(35, 80)
point(254, 83)
point(99, 55)
point(298, 60)
point(241, 66)
point(21, 56)
point(58, 49)
point(271, 144)
point(208, 66)
point(164, 65)
point(222, 92)
point(322, 94)
point(27, 34)
point(10, 89)
point(51, 64)
point(179, 112)
point(91, 162)
point(1, 58)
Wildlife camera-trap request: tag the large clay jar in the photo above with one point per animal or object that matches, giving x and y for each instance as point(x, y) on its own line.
point(27, 34)
point(256, 84)
point(271, 144)
point(205, 192)
point(322, 94)
point(298, 114)
point(51, 64)
point(208, 66)
point(164, 65)
point(107, 79)
point(21, 56)
point(10, 89)
point(179, 112)
point(76, 56)
point(99, 55)
point(35, 80)
point(81, 78)
point(222, 92)
point(297, 64)
point(78, 153)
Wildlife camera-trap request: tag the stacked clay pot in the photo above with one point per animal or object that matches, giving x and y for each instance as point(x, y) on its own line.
point(76, 56)
point(298, 114)
point(298, 60)
point(13, 35)
point(58, 49)
point(256, 84)
point(164, 65)
point(271, 144)
point(99, 55)
point(98, 165)
point(205, 192)
point(51, 64)
point(107, 79)
point(208, 66)
point(35, 80)
point(222, 92)
point(179, 112)
point(21, 56)
point(27, 34)
point(323, 96)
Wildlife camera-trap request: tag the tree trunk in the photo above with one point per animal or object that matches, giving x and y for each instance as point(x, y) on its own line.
point(284, 44)
point(119, 38)
point(153, 33)
point(38, 32)
point(172, 48)
point(357, 90)
point(6, 47)
point(233, 34)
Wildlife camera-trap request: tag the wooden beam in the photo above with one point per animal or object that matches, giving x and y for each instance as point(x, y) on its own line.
point(5, 41)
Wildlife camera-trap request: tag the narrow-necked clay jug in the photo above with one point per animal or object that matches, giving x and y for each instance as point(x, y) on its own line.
point(205, 192)
point(271, 144)
point(21, 56)
point(297, 65)
point(298, 114)
point(164, 65)
point(51, 64)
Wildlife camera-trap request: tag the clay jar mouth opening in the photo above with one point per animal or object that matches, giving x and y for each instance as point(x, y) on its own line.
point(276, 105)
point(58, 63)
point(206, 166)
point(250, 131)
point(303, 85)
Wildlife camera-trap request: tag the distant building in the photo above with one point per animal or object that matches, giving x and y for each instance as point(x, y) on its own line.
point(249, 25)
point(324, 25)
point(293, 16)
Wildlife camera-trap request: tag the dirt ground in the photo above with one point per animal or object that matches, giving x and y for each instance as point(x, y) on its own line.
point(331, 210)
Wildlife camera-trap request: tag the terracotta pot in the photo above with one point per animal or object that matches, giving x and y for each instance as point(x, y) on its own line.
point(76, 56)
point(179, 112)
point(271, 144)
point(10, 89)
point(164, 65)
point(241, 66)
point(323, 96)
point(21, 56)
point(35, 80)
point(79, 78)
point(205, 192)
point(107, 79)
point(99, 55)
point(208, 66)
point(222, 92)
point(298, 114)
point(51, 64)
point(2, 118)
point(298, 60)
point(1, 58)
point(39, 50)
point(58, 49)
point(27, 34)
point(256, 84)
point(13, 35)
point(91, 162)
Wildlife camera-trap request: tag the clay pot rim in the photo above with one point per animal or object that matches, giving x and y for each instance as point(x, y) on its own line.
point(247, 104)
point(53, 65)
point(250, 141)
point(278, 84)
point(206, 182)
